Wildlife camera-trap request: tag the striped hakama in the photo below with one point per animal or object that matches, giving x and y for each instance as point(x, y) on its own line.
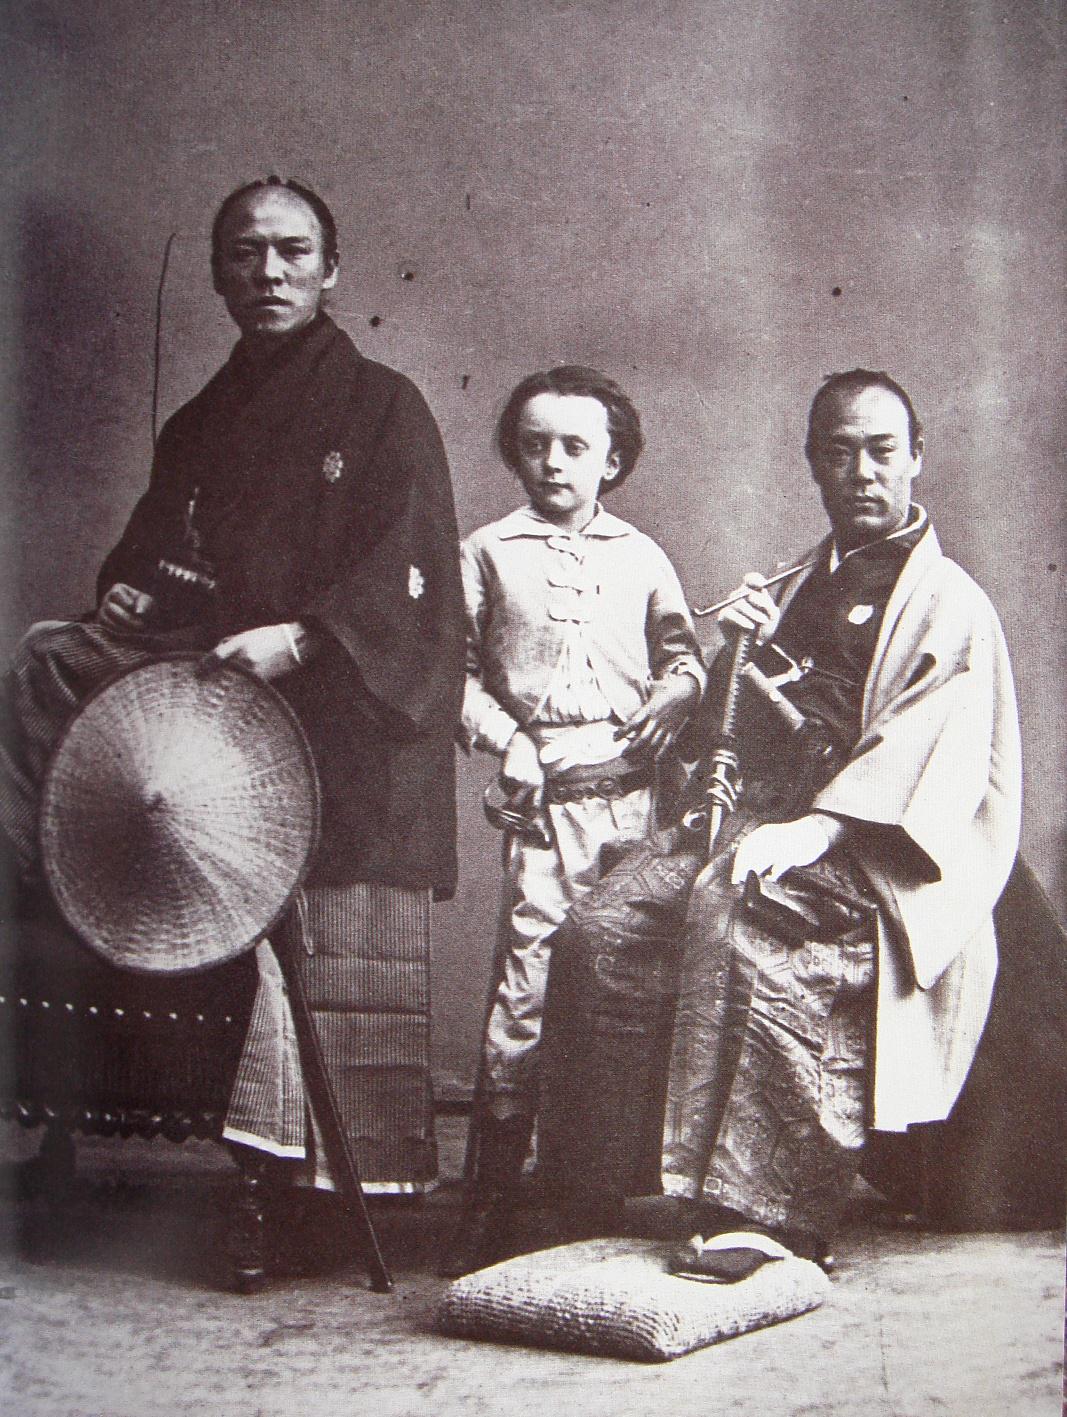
point(364, 954)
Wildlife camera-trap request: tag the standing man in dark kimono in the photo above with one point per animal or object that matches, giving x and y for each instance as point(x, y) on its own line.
point(299, 522)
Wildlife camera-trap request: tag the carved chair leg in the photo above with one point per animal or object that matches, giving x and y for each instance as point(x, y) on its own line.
point(246, 1244)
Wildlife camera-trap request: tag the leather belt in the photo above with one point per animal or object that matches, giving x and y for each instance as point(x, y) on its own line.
point(604, 780)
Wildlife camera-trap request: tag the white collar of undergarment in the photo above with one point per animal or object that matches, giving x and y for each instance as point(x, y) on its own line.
point(916, 519)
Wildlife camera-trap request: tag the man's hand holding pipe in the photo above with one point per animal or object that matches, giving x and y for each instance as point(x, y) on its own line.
point(755, 610)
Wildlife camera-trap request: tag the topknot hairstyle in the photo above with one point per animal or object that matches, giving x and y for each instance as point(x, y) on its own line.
point(322, 213)
point(855, 381)
point(624, 424)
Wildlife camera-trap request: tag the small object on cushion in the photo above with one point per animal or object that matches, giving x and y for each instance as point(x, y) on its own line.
point(727, 1258)
point(618, 1298)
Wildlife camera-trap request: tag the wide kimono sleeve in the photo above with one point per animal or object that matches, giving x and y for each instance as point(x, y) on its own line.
point(393, 603)
point(934, 782)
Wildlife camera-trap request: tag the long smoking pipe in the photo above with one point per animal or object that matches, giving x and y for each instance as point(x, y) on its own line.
point(740, 594)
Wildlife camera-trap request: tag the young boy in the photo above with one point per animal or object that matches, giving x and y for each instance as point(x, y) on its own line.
point(582, 669)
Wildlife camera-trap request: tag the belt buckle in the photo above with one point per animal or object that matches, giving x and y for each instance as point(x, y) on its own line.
point(609, 788)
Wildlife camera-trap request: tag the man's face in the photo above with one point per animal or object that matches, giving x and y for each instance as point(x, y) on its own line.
point(270, 268)
point(861, 459)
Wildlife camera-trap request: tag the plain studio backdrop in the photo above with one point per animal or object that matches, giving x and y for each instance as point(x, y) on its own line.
point(716, 201)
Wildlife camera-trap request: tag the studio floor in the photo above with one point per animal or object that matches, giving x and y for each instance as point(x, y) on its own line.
point(113, 1306)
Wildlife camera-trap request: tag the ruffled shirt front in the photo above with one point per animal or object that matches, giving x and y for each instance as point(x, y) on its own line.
point(567, 627)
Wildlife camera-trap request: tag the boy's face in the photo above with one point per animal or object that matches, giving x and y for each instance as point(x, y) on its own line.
point(565, 455)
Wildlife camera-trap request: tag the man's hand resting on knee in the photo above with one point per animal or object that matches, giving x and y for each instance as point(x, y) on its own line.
point(269, 651)
point(776, 847)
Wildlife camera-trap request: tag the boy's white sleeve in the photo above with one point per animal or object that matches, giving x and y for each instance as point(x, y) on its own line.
point(485, 723)
point(672, 641)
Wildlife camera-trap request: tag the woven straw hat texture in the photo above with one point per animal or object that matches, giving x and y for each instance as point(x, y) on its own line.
point(178, 815)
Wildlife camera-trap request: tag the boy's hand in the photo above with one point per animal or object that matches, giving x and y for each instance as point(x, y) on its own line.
point(656, 724)
point(756, 611)
point(521, 775)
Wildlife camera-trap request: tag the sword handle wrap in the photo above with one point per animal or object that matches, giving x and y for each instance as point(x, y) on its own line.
point(724, 763)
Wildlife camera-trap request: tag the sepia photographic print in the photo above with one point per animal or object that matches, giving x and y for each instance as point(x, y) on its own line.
point(532, 734)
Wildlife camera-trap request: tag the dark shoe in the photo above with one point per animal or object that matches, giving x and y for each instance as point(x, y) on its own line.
point(589, 1218)
point(482, 1237)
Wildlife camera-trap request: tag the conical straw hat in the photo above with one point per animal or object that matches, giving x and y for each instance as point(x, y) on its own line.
point(178, 815)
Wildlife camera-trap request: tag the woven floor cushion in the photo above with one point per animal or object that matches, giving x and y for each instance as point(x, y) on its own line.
point(617, 1298)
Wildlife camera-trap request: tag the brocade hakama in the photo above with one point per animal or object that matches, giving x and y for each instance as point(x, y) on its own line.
point(768, 1102)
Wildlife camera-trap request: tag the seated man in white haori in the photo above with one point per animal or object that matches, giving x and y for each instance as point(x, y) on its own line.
point(891, 842)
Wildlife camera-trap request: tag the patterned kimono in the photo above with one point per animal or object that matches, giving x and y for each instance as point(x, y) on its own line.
point(790, 1044)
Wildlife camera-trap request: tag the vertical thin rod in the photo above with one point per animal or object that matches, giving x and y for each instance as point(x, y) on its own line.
point(159, 338)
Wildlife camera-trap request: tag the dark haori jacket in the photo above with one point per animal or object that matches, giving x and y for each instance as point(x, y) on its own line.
point(319, 492)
